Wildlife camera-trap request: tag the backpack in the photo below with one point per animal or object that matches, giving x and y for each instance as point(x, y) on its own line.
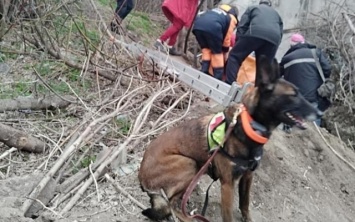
point(325, 91)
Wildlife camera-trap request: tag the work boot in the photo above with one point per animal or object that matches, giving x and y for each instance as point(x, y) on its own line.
point(115, 24)
point(114, 27)
point(218, 73)
point(205, 65)
point(173, 51)
point(159, 46)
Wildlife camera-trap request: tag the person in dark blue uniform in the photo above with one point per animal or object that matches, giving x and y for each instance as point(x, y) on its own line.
point(124, 7)
point(260, 30)
point(298, 66)
point(213, 30)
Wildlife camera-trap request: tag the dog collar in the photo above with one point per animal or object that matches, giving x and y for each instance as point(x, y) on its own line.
point(249, 130)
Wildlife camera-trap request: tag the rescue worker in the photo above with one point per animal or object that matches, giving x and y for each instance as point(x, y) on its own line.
point(123, 8)
point(247, 70)
point(180, 13)
point(298, 67)
point(259, 30)
point(213, 30)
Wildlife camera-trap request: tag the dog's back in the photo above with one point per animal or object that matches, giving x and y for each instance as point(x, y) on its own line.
point(170, 163)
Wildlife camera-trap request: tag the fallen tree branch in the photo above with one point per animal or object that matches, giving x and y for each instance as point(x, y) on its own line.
point(88, 182)
point(45, 207)
point(16, 138)
point(140, 120)
point(71, 149)
point(118, 188)
point(7, 152)
point(30, 103)
point(169, 109)
point(333, 150)
point(77, 178)
point(50, 88)
point(69, 63)
point(348, 20)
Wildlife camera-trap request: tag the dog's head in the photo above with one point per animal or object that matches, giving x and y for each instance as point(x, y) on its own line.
point(274, 100)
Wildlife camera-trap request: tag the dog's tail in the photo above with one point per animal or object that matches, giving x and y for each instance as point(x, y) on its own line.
point(160, 208)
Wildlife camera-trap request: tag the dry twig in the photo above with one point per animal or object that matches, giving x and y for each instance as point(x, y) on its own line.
point(333, 150)
point(121, 190)
point(26, 205)
point(8, 152)
point(140, 121)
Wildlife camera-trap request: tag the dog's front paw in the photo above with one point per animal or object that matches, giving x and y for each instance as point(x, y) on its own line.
point(247, 219)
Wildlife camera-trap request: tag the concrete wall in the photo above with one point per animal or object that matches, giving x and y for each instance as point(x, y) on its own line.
point(292, 12)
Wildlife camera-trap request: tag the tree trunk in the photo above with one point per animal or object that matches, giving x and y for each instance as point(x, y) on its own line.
point(29, 103)
point(16, 138)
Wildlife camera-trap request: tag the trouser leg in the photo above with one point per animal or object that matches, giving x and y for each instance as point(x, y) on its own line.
point(129, 5)
point(243, 47)
point(217, 62)
point(206, 60)
point(269, 51)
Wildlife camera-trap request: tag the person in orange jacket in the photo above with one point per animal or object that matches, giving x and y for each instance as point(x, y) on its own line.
point(213, 30)
point(247, 70)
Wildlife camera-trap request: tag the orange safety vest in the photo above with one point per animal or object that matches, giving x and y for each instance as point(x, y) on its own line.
point(246, 72)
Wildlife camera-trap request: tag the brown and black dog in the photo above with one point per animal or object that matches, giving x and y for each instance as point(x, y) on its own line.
point(171, 161)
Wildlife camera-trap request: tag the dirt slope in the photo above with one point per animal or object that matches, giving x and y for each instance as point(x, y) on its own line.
point(300, 179)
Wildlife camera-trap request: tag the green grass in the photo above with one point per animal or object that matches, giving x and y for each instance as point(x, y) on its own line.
point(68, 33)
point(43, 69)
point(51, 71)
point(111, 3)
point(74, 75)
point(15, 90)
point(124, 125)
point(140, 24)
point(22, 89)
point(6, 56)
point(60, 87)
point(92, 36)
point(2, 57)
point(86, 161)
point(75, 33)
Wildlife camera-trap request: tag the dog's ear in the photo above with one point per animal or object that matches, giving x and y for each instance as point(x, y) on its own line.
point(250, 100)
point(266, 73)
point(276, 70)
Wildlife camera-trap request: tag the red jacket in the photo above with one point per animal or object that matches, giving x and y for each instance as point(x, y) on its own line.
point(184, 10)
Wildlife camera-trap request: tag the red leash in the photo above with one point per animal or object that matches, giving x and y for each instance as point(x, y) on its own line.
point(203, 169)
